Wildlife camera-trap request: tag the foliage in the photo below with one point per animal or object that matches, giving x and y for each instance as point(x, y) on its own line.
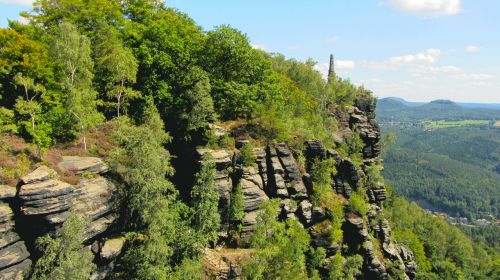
point(441, 250)
point(118, 65)
point(352, 147)
point(205, 199)
point(237, 206)
point(280, 247)
point(452, 167)
point(322, 172)
point(344, 268)
point(64, 257)
point(143, 164)
point(7, 124)
point(72, 54)
point(358, 202)
point(200, 109)
point(374, 178)
point(248, 157)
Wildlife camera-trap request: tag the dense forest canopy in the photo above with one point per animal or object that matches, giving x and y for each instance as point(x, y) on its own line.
point(155, 82)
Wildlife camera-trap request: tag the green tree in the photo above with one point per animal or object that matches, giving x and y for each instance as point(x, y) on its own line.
point(248, 157)
point(118, 65)
point(322, 172)
point(352, 266)
point(205, 199)
point(236, 211)
point(280, 247)
point(72, 53)
point(358, 202)
point(86, 14)
point(235, 69)
point(143, 162)
point(7, 124)
point(27, 105)
point(200, 106)
point(336, 267)
point(65, 257)
point(164, 237)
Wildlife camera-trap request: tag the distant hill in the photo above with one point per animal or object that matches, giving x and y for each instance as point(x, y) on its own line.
point(397, 109)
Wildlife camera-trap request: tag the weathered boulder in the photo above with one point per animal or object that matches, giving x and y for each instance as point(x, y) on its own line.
point(80, 165)
point(14, 262)
point(7, 192)
point(293, 175)
point(42, 173)
point(253, 194)
point(111, 249)
point(347, 177)
point(305, 212)
point(45, 197)
point(222, 158)
point(314, 149)
point(13, 254)
point(225, 264)
point(248, 222)
point(261, 159)
point(94, 197)
point(16, 272)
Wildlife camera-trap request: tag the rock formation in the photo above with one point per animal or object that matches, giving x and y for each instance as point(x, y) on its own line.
point(43, 202)
point(14, 262)
point(277, 174)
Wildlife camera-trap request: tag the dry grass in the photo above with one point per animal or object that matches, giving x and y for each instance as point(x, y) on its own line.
point(17, 157)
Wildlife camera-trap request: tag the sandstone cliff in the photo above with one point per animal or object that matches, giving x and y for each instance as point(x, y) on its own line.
point(277, 173)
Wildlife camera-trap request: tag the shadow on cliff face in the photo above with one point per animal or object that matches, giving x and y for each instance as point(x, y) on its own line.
point(185, 161)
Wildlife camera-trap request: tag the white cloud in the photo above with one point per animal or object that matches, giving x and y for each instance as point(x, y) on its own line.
point(428, 7)
point(345, 65)
point(259, 47)
point(472, 48)
point(18, 2)
point(340, 65)
point(445, 69)
point(475, 77)
point(427, 57)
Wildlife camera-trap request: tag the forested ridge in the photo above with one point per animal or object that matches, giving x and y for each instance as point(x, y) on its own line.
point(206, 148)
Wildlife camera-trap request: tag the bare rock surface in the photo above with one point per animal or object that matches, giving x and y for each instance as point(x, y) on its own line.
point(111, 248)
point(42, 173)
point(79, 165)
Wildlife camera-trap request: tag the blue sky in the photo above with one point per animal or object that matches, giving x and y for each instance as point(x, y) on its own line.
point(420, 50)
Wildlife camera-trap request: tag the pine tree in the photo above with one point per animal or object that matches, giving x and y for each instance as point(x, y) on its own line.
point(205, 198)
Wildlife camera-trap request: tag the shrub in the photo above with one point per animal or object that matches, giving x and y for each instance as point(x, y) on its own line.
point(357, 202)
point(247, 155)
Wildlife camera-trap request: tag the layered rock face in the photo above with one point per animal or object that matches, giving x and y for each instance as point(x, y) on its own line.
point(278, 174)
point(14, 262)
point(43, 202)
point(46, 201)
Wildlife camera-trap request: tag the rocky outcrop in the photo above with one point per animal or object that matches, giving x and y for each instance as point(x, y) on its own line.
point(223, 163)
point(47, 201)
point(225, 264)
point(252, 187)
point(277, 174)
point(43, 202)
point(82, 165)
point(14, 262)
point(95, 198)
